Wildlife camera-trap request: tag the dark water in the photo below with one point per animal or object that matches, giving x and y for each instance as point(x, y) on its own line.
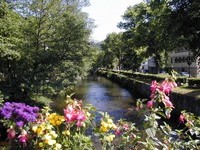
point(105, 96)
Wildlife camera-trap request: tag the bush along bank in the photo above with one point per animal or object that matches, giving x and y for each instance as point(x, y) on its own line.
point(31, 127)
point(133, 85)
point(189, 101)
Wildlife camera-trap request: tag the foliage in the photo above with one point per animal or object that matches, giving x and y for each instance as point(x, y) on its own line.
point(44, 46)
point(185, 18)
point(194, 82)
point(154, 29)
point(144, 28)
point(78, 128)
point(113, 52)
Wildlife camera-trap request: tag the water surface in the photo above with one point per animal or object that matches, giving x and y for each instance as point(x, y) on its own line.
point(104, 95)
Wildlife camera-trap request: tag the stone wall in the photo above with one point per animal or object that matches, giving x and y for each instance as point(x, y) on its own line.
point(141, 89)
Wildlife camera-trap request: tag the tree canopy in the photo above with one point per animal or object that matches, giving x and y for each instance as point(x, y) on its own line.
point(154, 28)
point(43, 45)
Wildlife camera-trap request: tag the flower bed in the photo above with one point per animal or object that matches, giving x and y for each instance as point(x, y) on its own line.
point(33, 128)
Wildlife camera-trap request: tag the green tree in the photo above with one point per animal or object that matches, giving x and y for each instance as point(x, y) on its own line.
point(112, 46)
point(144, 24)
point(54, 43)
point(10, 48)
point(184, 24)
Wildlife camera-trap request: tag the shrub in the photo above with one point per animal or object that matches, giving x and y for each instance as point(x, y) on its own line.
point(194, 82)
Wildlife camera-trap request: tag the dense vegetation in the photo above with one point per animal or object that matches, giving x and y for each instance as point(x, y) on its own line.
point(44, 46)
point(153, 28)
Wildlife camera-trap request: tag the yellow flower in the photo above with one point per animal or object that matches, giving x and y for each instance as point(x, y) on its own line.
point(34, 128)
point(58, 146)
point(103, 129)
point(110, 125)
point(41, 144)
point(46, 137)
point(39, 131)
point(67, 132)
point(104, 124)
point(58, 122)
point(51, 142)
point(55, 119)
point(110, 121)
point(109, 138)
point(49, 127)
point(53, 133)
point(114, 126)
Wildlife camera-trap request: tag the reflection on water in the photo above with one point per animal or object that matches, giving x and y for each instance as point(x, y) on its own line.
point(104, 95)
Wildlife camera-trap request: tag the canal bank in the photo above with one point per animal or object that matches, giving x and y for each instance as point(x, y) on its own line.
point(182, 98)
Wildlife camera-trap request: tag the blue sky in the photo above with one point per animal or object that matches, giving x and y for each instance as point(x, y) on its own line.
point(107, 14)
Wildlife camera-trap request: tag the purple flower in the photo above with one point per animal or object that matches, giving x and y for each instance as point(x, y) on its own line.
point(20, 123)
point(20, 113)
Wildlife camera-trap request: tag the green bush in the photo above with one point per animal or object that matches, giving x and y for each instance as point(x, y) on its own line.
point(194, 82)
point(180, 80)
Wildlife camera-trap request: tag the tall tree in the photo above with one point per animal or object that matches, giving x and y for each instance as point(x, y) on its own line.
point(54, 37)
point(184, 24)
point(144, 25)
point(11, 42)
point(112, 46)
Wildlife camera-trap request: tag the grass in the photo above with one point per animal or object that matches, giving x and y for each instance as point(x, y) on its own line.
point(193, 92)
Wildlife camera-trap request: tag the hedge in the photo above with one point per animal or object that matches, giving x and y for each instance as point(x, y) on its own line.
point(147, 76)
point(194, 82)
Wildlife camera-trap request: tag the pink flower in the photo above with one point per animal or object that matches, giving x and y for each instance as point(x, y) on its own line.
point(137, 108)
point(11, 133)
point(167, 86)
point(74, 114)
point(80, 117)
point(154, 86)
point(23, 137)
point(152, 95)
point(173, 84)
point(150, 104)
point(117, 131)
point(126, 127)
point(182, 118)
point(70, 114)
point(168, 103)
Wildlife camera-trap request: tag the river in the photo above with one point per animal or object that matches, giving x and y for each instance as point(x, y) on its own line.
point(105, 95)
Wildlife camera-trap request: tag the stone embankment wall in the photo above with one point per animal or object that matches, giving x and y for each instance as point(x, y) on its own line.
point(142, 89)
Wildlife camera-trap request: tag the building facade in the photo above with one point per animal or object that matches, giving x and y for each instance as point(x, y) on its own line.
point(182, 60)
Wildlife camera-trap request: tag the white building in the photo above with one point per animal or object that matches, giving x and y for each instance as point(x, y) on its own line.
point(183, 61)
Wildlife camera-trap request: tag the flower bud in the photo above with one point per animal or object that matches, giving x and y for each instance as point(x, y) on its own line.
point(11, 133)
point(182, 118)
point(150, 104)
